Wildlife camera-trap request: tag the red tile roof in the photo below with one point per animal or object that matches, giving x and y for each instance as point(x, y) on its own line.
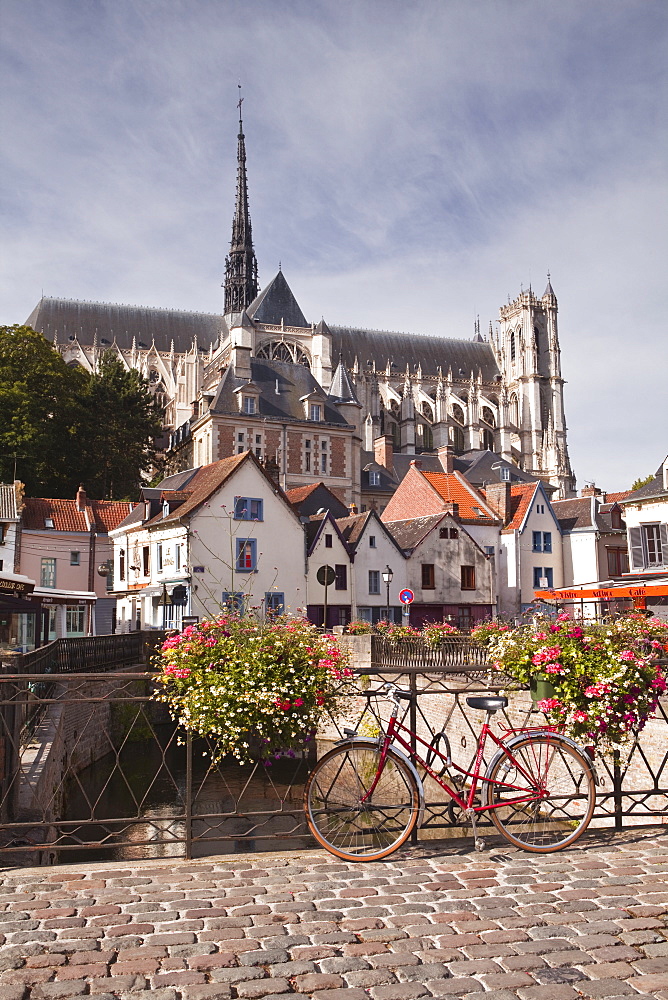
point(450, 488)
point(615, 497)
point(521, 498)
point(104, 514)
point(300, 493)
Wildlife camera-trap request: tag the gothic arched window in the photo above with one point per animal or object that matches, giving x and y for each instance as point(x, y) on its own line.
point(458, 439)
point(280, 350)
point(488, 416)
point(458, 413)
point(425, 438)
point(514, 411)
point(488, 439)
point(427, 412)
point(512, 345)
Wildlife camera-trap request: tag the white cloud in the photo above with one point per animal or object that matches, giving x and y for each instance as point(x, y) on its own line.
point(410, 165)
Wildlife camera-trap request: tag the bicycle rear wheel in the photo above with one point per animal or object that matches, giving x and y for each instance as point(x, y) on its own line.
point(348, 821)
point(561, 811)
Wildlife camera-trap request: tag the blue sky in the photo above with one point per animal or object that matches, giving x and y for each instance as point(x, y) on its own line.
point(410, 164)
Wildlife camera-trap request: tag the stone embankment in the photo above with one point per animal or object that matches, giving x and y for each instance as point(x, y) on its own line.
point(437, 921)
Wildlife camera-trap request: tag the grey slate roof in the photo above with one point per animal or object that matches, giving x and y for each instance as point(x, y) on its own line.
point(341, 387)
point(70, 320)
point(7, 503)
point(408, 348)
point(408, 534)
point(294, 381)
point(477, 467)
point(651, 489)
point(579, 512)
point(276, 304)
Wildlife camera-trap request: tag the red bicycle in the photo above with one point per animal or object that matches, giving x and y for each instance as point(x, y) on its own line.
point(365, 796)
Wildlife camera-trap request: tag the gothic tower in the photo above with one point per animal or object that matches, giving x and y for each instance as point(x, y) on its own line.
point(528, 354)
point(241, 285)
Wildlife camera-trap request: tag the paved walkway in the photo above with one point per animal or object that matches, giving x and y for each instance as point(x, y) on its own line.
point(434, 921)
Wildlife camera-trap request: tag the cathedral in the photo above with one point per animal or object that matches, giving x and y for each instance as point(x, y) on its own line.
point(345, 406)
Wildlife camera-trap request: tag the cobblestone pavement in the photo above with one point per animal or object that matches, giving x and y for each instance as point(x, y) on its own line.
point(433, 921)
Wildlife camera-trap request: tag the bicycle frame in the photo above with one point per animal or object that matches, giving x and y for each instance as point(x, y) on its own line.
point(394, 733)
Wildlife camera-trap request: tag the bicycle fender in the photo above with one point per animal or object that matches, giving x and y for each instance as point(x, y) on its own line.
point(518, 738)
point(406, 760)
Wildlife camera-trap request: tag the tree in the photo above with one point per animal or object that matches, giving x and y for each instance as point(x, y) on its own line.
point(124, 422)
point(642, 482)
point(40, 414)
point(61, 426)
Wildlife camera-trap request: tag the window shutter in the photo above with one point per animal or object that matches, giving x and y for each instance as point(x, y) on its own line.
point(635, 540)
point(663, 528)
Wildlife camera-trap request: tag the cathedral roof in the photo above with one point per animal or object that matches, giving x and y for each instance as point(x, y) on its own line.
point(282, 387)
point(402, 349)
point(276, 304)
point(69, 320)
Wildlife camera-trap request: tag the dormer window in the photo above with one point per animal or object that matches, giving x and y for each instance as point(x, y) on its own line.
point(165, 508)
point(505, 474)
point(248, 396)
point(249, 404)
point(315, 411)
point(374, 479)
point(48, 522)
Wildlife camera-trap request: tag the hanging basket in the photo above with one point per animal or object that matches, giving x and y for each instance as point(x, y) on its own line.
point(541, 689)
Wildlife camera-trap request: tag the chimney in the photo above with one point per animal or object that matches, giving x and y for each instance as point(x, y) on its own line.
point(352, 509)
point(447, 459)
point(81, 499)
point(452, 508)
point(417, 463)
point(241, 361)
point(590, 491)
point(498, 498)
point(383, 451)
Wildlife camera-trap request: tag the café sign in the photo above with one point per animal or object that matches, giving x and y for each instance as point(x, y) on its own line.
point(16, 588)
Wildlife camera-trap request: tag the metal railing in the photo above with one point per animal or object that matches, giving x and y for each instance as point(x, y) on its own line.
point(121, 782)
point(94, 653)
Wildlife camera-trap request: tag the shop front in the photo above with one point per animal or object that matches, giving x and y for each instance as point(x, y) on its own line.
point(19, 615)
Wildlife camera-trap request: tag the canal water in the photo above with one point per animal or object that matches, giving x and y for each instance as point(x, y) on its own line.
point(132, 805)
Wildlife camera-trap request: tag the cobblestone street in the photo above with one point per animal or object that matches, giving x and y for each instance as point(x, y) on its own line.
point(433, 921)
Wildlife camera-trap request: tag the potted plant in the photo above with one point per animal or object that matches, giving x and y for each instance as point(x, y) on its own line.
point(435, 632)
point(604, 677)
point(255, 688)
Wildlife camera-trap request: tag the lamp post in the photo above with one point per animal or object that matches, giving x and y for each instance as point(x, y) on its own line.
point(387, 580)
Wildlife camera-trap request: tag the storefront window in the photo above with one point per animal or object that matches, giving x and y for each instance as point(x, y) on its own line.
point(75, 620)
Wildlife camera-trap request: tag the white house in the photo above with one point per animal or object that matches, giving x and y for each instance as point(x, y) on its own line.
point(330, 580)
point(222, 535)
point(379, 572)
point(646, 514)
point(530, 554)
point(593, 537)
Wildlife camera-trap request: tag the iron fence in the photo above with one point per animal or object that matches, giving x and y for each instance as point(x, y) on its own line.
point(106, 774)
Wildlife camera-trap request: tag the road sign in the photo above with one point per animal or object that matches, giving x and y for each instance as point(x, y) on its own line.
point(406, 596)
point(326, 576)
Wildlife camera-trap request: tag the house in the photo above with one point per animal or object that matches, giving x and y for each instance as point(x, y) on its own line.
point(593, 536)
point(450, 574)
point(530, 556)
point(646, 515)
point(20, 614)
point(65, 547)
point(221, 535)
point(330, 582)
point(378, 567)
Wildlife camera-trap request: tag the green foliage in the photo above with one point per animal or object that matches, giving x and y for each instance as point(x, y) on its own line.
point(641, 482)
point(606, 679)
point(62, 426)
point(255, 688)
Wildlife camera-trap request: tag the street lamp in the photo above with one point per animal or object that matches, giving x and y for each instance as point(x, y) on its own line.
point(387, 580)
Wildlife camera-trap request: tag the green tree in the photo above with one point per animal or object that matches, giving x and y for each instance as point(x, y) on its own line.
point(61, 426)
point(40, 414)
point(123, 423)
point(642, 482)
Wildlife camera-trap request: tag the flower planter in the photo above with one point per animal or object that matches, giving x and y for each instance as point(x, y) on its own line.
point(541, 689)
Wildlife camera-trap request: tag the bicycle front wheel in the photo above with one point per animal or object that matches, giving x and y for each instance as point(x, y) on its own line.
point(349, 820)
point(561, 782)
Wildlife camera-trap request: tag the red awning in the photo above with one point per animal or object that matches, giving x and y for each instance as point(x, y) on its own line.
point(594, 593)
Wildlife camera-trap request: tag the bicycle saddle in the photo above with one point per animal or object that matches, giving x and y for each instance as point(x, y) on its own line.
point(487, 703)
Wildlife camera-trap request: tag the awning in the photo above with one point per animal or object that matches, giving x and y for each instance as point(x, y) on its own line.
point(14, 583)
point(592, 592)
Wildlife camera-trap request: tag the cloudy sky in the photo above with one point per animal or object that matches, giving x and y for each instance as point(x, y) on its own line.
point(410, 164)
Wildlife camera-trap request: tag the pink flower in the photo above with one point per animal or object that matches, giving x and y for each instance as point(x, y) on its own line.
point(580, 716)
point(628, 655)
point(298, 702)
point(563, 617)
point(659, 682)
point(548, 704)
point(554, 668)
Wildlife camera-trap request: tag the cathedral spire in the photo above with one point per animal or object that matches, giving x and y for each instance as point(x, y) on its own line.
point(240, 264)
